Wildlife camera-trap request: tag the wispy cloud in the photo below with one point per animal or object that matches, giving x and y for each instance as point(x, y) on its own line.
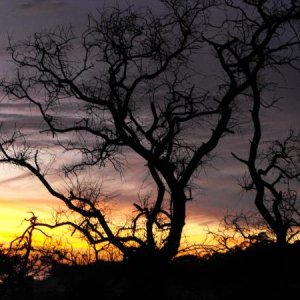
point(15, 178)
point(33, 7)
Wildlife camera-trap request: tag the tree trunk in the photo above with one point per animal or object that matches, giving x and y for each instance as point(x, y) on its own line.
point(281, 236)
point(149, 256)
point(171, 247)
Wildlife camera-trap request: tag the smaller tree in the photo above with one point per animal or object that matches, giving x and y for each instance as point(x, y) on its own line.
point(274, 175)
point(20, 263)
point(237, 231)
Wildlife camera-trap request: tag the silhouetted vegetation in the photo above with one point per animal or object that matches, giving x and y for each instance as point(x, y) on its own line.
point(260, 271)
point(273, 175)
point(243, 262)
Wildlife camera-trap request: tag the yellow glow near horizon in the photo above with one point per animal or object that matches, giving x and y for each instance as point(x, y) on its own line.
point(25, 194)
point(14, 211)
point(13, 214)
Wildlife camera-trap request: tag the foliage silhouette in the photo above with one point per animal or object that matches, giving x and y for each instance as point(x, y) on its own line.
point(264, 271)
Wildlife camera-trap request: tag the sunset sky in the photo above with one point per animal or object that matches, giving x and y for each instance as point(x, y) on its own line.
point(217, 190)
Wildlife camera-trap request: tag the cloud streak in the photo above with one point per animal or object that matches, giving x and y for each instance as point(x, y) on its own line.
point(15, 178)
point(35, 7)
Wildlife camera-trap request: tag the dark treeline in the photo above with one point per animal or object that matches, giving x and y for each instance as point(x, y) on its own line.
point(261, 271)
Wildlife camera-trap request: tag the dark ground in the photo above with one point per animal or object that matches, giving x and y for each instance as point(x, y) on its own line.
point(260, 272)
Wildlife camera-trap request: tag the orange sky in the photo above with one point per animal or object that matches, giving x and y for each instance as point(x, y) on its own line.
point(22, 194)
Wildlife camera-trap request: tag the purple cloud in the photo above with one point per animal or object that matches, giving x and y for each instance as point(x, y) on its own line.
point(33, 7)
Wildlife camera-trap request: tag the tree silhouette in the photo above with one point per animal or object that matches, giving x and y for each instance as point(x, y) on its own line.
point(131, 89)
point(273, 174)
point(237, 231)
point(20, 263)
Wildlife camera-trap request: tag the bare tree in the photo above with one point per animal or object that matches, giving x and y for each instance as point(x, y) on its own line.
point(23, 263)
point(238, 231)
point(274, 175)
point(132, 91)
